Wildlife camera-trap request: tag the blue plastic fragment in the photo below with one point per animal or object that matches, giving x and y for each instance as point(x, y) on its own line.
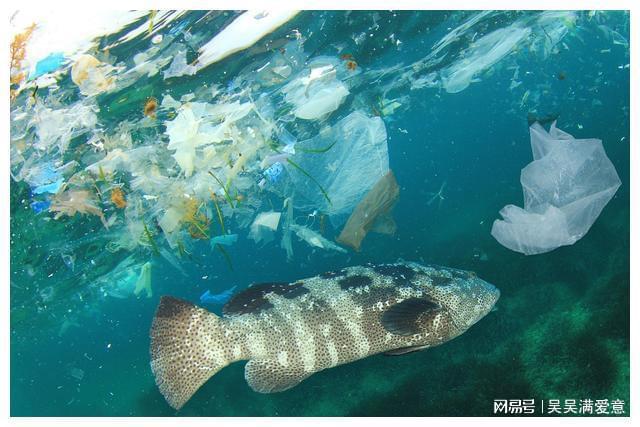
point(274, 172)
point(40, 206)
point(48, 65)
point(48, 188)
point(221, 298)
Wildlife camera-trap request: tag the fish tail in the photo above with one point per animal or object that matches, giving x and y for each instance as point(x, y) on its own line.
point(188, 346)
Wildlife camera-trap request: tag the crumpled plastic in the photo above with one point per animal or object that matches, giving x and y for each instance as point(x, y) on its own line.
point(92, 76)
point(565, 188)
point(316, 92)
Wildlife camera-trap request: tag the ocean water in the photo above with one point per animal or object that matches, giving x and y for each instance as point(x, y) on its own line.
point(561, 327)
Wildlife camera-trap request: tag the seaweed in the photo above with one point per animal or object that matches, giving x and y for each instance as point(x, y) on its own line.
point(150, 239)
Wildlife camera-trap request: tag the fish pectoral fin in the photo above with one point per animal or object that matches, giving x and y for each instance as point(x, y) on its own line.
point(404, 318)
point(270, 376)
point(404, 350)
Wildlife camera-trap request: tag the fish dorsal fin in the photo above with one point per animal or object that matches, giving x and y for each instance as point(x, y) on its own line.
point(404, 350)
point(270, 376)
point(403, 318)
point(253, 299)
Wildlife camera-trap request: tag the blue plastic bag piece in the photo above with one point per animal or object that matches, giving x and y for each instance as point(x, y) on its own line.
point(274, 172)
point(39, 206)
point(43, 174)
point(221, 298)
point(48, 65)
point(48, 188)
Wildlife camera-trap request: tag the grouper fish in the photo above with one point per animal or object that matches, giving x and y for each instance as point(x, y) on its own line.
point(289, 331)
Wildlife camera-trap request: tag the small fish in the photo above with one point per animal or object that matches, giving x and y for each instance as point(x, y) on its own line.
point(221, 298)
point(289, 331)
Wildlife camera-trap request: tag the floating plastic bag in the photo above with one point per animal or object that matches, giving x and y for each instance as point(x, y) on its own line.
point(481, 55)
point(144, 281)
point(333, 171)
point(373, 213)
point(316, 92)
point(264, 225)
point(565, 188)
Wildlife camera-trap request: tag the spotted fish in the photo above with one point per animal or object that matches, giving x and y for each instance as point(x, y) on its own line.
point(289, 331)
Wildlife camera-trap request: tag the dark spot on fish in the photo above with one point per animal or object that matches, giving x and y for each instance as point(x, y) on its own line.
point(294, 290)
point(172, 307)
point(331, 274)
point(561, 75)
point(253, 299)
point(355, 281)
point(440, 280)
point(401, 274)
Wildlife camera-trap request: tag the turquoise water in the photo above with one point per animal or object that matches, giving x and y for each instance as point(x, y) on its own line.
point(561, 328)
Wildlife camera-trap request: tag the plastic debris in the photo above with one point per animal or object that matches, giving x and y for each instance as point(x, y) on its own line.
point(344, 162)
point(565, 188)
point(316, 92)
point(56, 128)
point(264, 225)
point(225, 239)
point(48, 188)
point(285, 243)
point(373, 213)
point(48, 65)
point(199, 124)
point(243, 32)
point(481, 55)
point(179, 66)
point(143, 284)
point(70, 202)
point(40, 206)
point(314, 239)
point(92, 76)
point(217, 299)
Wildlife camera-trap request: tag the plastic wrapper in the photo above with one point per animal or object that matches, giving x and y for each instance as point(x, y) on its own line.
point(565, 188)
point(373, 213)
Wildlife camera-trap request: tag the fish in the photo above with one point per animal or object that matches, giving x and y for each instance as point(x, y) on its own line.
point(288, 331)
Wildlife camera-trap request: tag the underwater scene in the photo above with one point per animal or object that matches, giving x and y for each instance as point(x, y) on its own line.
point(320, 213)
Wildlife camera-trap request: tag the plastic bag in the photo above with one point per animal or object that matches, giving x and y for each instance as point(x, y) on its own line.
point(316, 92)
point(264, 225)
point(373, 213)
point(565, 188)
point(333, 171)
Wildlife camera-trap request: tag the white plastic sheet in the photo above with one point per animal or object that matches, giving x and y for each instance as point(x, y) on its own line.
point(565, 188)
